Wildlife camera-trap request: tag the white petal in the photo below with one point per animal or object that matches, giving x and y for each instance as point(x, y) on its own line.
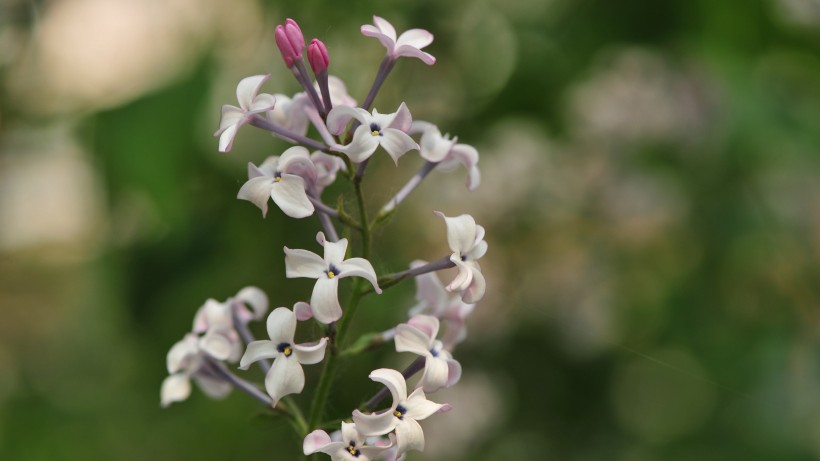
point(349, 433)
point(213, 388)
point(479, 250)
point(230, 116)
point(453, 373)
point(285, 377)
point(468, 156)
point(374, 424)
point(461, 232)
point(315, 441)
point(401, 120)
point(413, 52)
point(475, 291)
point(303, 311)
point(309, 354)
point(433, 146)
point(334, 251)
point(289, 194)
point(419, 408)
point(361, 147)
point(303, 263)
point(396, 143)
point(325, 300)
point(258, 350)
point(175, 388)
point(430, 292)
point(411, 339)
point(227, 136)
point(181, 353)
point(339, 117)
point(281, 326)
point(385, 27)
point(217, 345)
point(428, 324)
point(256, 298)
point(248, 88)
point(464, 277)
point(417, 38)
point(436, 374)
point(394, 381)
point(360, 267)
point(257, 190)
point(296, 160)
point(262, 103)
point(268, 168)
point(409, 436)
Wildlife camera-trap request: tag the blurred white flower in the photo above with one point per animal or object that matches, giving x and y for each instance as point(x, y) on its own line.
point(409, 43)
point(185, 361)
point(350, 448)
point(250, 103)
point(418, 336)
point(434, 300)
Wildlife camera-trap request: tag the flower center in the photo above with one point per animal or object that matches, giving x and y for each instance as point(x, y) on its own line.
point(332, 271)
point(285, 348)
point(353, 450)
point(434, 352)
point(277, 176)
point(375, 129)
point(400, 412)
point(463, 257)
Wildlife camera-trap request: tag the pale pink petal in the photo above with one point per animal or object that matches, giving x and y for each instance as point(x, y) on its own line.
point(374, 424)
point(256, 298)
point(401, 120)
point(453, 372)
point(303, 311)
point(181, 353)
point(296, 160)
point(334, 251)
point(433, 146)
point(359, 267)
point(409, 436)
point(257, 190)
point(464, 276)
point(227, 136)
point(396, 143)
point(175, 388)
point(419, 408)
point(316, 441)
point(467, 156)
point(436, 374)
point(248, 88)
point(267, 168)
point(349, 433)
point(262, 103)
point(303, 263)
point(289, 194)
point(428, 324)
point(430, 293)
point(309, 354)
point(461, 232)
point(385, 27)
point(231, 116)
point(361, 147)
point(475, 291)
point(394, 382)
point(325, 300)
point(281, 325)
point(213, 388)
point(411, 339)
point(258, 350)
point(416, 38)
point(412, 52)
point(217, 345)
point(339, 116)
point(285, 377)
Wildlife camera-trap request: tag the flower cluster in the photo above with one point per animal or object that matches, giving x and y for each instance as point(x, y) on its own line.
point(335, 137)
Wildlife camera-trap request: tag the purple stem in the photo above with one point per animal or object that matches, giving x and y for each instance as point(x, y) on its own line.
point(321, 78)
point(392, 279)
point(409, 187)
point(304, 78)
point(384, 70)
point(265, 124)
point(239, 383)
point(324, 213)
point(408, 372)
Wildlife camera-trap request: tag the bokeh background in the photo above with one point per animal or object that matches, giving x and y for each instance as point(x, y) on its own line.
point(650, 192)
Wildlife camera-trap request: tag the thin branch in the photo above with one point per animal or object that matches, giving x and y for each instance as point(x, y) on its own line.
point(265, 124)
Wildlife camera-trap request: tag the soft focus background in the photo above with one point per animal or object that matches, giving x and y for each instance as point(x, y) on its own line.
point(650, 192)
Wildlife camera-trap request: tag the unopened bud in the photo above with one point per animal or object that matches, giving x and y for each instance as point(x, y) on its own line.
point(317, 56)
point(290, 41)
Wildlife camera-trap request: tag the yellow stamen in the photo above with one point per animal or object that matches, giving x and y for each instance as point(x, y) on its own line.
point(277, 179)
point(330, 274)
point(375, 132)
point(397, 414)
point(288, 351)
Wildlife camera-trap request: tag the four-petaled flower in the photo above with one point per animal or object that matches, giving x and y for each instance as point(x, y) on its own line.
point(408, 44)
point(186, 361)
point(325, 298)
point(419, 337)
point(444, 151)
point(466, 239)
point(403, 415)
point(250, 103)
point(282, 179)
point(386, 130)
point(350, 448)
point(434, 300)
point(285, 375)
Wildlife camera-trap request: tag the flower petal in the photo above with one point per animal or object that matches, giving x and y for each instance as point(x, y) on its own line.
point(396, 143)
point(436, 374)
point(411, 339)
point(175, 388)
point(257, 190)
point(281, 325)
point(213, 387)
point(262, 103)
point(360, 267)
point(461, 232)
point(468, 156)
point(309, 354)
point(339, 116)
point(417, 38)
point(385, 27)
point(181, 354)
point(428, 325)
point(374, 423)
point(394, 381)
point(228, 134)
point(325, 300)
point(296, 160)
point(453, 372)
point(412, 52)
point(284, 378)
point(430, 293)
point(433, 146)
point(303, 311)
point(217, 345)
point(334, 251)
point(475, 291)
point(419, 408)
point(401, 120)
point(303, 263)
point(361, 147)
point(409, 436)
point(258, 350)
point(464, 277)
point(230, 116)
point(248, 88)
point(256, 298)
point(316, 441)
point(289, 194)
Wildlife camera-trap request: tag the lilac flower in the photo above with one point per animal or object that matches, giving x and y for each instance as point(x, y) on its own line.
point(419, 337)
point(327, 271)
point(403, 415)
point(446, 153)
point(250, 103)
point(220, 340)
point(327, 166)
point(434, 300)
point(408, 44)
point(317, 56)
point(386, 130)
point(283, 180)
point(466, 239)
point(285, 375)
point(186, 361)
point(350, 448)
point(290, 41)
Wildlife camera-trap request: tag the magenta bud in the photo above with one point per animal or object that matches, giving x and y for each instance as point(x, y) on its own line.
point(317, 56)
point(290, 41)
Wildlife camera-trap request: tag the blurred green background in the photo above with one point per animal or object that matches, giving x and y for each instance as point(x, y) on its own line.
point(650, 192)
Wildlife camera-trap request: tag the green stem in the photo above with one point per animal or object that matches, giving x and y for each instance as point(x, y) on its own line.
point(365, 229)
point(297, 414)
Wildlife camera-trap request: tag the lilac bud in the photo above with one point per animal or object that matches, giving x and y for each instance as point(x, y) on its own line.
point(317, 56)
point(290, 41)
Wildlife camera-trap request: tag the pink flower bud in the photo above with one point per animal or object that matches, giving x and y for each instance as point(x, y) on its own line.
point(317, 55)
point(290, 41)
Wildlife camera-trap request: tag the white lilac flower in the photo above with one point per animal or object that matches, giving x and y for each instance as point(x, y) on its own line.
point(418, 336)
point(386, 130)
point(282, 179)
point(444, 151)
point(186, 361)
point(403, 415)
point(466, 239)
point(327, 271)
point(408, 44)
point(220, 340)
point(327, 166)
point(434, 300)
point(351, 447)
point(253, 297)
point(250, 103)
point(285, 375)
point(292, 113)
